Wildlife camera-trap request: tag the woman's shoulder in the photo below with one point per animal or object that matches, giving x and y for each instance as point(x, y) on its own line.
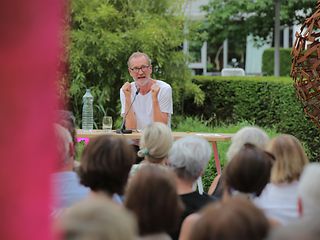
point(157, 236)
point(134, 169)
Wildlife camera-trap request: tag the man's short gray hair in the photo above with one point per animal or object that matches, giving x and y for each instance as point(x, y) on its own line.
point(63, 141)
point(254, 135)
point(138, 54)
point(308, 189)
point(189, 157)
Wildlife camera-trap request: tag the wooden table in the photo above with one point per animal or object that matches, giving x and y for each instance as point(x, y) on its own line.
point(213, 138)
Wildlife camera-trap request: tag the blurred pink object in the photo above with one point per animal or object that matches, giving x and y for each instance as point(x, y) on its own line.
point(86, 140)
point(29, 54)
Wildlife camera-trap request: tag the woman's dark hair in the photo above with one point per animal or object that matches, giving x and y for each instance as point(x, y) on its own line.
point(105, 164)
point(249, 170)
point(231, 219)
point(152, 196)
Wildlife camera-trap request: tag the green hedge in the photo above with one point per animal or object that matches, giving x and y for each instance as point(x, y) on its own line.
point(268, 62)
point(267, 101)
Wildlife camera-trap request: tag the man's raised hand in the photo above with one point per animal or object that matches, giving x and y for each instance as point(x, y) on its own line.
point(126, 88)
point(155, 90)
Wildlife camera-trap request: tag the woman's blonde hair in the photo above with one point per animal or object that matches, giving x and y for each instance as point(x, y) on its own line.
point(290, 158)
point(155, 143)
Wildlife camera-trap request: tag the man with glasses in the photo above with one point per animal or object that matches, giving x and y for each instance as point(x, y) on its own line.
point(151, 99)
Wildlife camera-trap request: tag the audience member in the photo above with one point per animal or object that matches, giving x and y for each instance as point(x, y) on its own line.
point(65, 183)
point(308, 226)
point(245, 175)
point(152, 195)
point(230, 219)
point(67, 120)
point(248, 172)
point(253, 135)
point(301, 230)
point(309, 191)
point(279, 198)
point(97, 218)
point(188, 158)
point(105, 165)
point(155, 143)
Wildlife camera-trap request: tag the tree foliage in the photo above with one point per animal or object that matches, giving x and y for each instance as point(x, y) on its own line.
point(103, 35)
point(235, 20)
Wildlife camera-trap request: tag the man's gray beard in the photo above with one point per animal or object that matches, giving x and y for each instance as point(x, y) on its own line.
point(145, 82)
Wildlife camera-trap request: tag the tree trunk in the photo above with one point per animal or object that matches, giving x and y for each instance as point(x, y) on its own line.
point(216, 59)
point(277, 39)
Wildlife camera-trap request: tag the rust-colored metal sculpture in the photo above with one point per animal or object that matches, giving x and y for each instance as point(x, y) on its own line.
point(305, 69)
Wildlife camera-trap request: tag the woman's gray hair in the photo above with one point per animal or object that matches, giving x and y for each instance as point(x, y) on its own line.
point(254, 135)
point(189, 157)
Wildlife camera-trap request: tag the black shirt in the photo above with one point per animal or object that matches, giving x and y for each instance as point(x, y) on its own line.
point(193, 202)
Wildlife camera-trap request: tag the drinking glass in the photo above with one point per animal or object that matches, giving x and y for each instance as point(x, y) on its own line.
point(107, 123)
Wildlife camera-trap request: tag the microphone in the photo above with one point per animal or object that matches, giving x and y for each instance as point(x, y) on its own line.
point(123, 129)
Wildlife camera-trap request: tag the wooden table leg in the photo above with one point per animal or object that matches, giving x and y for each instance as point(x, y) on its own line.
point(216, 157)
point(218, 167)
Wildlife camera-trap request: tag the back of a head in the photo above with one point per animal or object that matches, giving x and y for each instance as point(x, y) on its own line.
point(232, 219)
point(309, 190)
point(97, 218)
point(67, 120)
point(155, 143)
point(300, 230)
point(254, 135)
point(105, 164)
point(290, 158)
point(151, 194)
point(249, 171)
point(64, 143)
point(189, 157)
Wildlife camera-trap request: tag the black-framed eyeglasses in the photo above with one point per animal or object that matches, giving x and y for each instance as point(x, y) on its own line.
point(143, 68)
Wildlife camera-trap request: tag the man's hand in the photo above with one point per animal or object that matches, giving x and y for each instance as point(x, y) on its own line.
point(130, 116)
point(158, 116)
point(155, 90)
point(126, 88)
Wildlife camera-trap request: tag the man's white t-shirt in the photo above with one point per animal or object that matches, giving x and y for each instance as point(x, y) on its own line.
point(142, 105)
